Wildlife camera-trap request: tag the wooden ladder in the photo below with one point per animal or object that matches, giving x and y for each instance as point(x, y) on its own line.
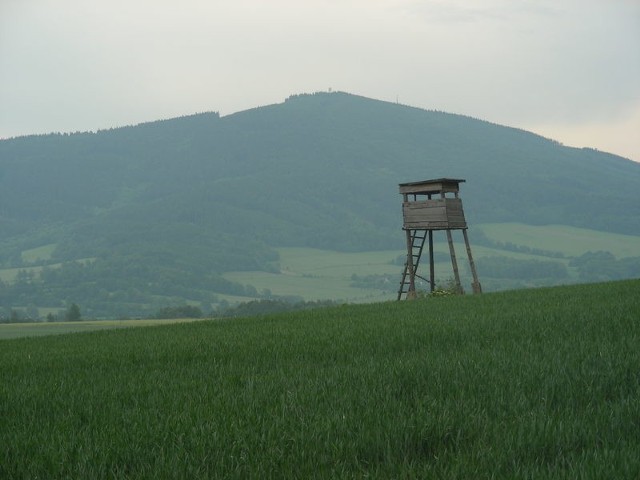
point(417, 244)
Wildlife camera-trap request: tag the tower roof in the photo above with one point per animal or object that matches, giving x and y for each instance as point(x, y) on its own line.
point(437, 185)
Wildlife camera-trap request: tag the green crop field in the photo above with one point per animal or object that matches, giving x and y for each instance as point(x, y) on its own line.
point(538, 383)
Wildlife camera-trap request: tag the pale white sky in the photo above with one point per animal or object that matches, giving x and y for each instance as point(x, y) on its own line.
point(567, 69)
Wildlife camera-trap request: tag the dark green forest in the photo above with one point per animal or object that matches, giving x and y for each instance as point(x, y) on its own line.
point(148, 216)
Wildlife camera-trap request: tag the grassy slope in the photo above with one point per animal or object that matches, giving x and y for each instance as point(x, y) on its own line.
point(525, 384)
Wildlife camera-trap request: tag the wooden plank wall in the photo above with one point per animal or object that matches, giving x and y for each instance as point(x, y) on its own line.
point(435, 214)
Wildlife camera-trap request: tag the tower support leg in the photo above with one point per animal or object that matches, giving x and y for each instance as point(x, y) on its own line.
point(454, 262)
point(475, 286)
point(432, 270)
point(411, 291)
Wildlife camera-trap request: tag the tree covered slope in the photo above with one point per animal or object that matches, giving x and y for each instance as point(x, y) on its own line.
point(163, 206)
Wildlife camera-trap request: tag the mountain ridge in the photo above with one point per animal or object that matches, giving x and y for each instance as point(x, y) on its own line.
point(179, 201)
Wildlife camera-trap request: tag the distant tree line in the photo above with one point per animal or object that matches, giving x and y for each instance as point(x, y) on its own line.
point(31, 315)
point(113, 289)
point(519, 269)
point(603, 266)
point(478, 237)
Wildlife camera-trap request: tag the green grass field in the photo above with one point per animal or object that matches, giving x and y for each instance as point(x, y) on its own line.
point(535, 384)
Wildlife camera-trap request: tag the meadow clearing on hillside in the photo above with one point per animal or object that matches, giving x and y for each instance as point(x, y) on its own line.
point(571, 241)
point(539, 383)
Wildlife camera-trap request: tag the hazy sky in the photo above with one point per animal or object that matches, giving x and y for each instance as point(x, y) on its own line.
point(567, 69)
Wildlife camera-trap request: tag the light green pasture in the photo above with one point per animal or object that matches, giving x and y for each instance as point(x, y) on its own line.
point(9, 275)
point(571, 241)
point(16, 330)
point(311, 261)
point(308, 287)
point(323, 274)
point(43, 252)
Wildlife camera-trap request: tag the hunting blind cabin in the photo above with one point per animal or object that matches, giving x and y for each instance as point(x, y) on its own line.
point(427, 208)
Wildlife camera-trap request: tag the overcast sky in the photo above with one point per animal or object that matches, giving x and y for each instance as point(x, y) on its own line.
point(567, 69)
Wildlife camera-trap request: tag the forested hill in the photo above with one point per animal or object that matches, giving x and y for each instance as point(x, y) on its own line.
point(190, 197)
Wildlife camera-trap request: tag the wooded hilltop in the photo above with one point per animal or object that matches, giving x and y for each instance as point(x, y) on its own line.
point(135, 218)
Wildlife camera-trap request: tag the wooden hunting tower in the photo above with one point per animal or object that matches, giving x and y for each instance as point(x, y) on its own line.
point(425, 209)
